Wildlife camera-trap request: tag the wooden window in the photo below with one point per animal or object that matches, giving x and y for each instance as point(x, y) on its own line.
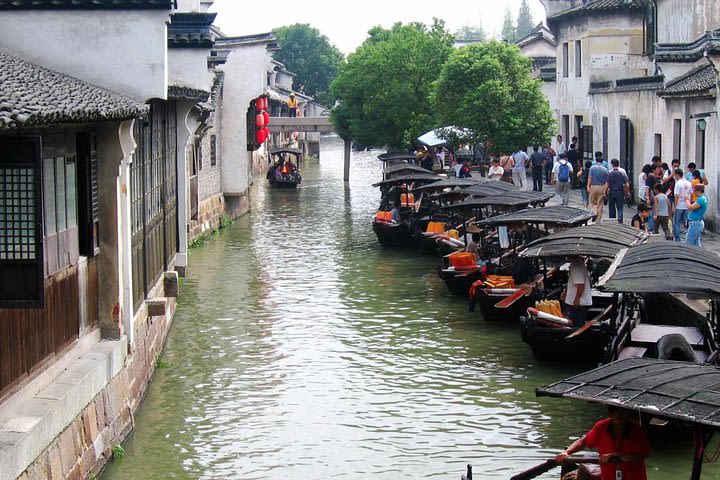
point(20, 226)
point(565, 126)
point(658, 145)
point(565, 60)
point(605, 137)
point(213, 150)
point(586, 140)
point(60, 194)
point(198, 155)
point(677, 139)
point(88, 204)
point(578, 58)
point(700, 148)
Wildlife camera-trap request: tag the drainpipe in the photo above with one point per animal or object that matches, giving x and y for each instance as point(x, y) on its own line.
point(128, 146)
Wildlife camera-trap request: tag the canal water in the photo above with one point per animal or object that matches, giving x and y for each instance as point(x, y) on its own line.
point(301, 349)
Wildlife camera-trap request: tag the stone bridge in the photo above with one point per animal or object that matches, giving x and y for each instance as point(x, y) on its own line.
point(300, 124)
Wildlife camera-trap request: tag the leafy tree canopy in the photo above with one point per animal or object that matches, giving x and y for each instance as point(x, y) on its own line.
point(488, 88)
point(310, 55)
point(471, 33)
point(524, 21)
point(384, 86)
point(508, 33)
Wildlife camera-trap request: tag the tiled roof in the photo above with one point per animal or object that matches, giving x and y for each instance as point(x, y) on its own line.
point(86, 4)
point(699, 82)
point(592, 6)
point(32, 95)
point(688, 52)
point(181, 91)
point(191, 30)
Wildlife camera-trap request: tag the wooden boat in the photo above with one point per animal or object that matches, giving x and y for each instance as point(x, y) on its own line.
point(550, 339)
point(400, 234)
point(681, 393)
point(652, 321)
point(283, 172)
point(515, 231)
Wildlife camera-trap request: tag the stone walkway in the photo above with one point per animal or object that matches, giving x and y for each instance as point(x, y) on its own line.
point(710, 239)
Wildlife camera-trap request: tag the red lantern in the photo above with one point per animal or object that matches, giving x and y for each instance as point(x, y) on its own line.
point(260, 136)
point(266, 103)
point(260, 120)
point(266, 117)
point(259, 104)
point(267, 131)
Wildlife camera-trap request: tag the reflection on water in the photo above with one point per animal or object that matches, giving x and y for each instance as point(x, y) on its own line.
point(301, 349)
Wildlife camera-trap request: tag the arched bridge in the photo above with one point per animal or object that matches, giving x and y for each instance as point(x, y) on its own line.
point(300, 124)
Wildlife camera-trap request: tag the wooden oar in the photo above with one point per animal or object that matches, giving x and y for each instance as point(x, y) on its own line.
point(548, 465)
point(508, 301)
point(590, 323)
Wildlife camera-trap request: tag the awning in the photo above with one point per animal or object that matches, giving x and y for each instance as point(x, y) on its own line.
point(419, 177)
point(664, 267)
point(447, 183)
point(435, 138)
point(503, 199)
point(404, 168)
point(661, 388)
point(393, 156)
point(597, 241)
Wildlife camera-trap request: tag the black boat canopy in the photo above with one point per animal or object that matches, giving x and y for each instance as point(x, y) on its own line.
point(669, 389)
point(599, 241)
point(664, 267)
point(393, 156)
point(558, 215)
point(418, 177)
point(501, 199)
point(490, 186)
point(279, 150)
point(404, 168)
point(447, 183)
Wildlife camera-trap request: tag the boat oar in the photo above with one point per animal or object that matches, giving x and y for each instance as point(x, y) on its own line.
point(590, 323)
point(519, 293)
point(548, 465)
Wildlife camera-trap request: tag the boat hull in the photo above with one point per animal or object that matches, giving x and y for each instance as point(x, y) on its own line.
point(459, 282)
point(397, 235)
point(550, 344)
point(284, 184)
point(486, 304)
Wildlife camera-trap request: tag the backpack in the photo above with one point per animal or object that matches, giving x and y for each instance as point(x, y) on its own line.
point(563, 172)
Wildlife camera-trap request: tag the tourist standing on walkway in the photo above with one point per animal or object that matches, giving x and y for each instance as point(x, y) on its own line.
point(561, 177)
point(549, 162)
point(559, 147)
point(496, 171)
point(582, 177)
point(537, 161)
point(575, 158)
point(661, 212)
point(507, 163)
point(618, 189)
point(597, 184)
point(653, 178)
point(690, 174)
point(681, 192)
point(696, 218)
point(519, 172)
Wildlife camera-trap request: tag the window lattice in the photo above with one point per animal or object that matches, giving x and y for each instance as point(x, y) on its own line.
point(17, 214)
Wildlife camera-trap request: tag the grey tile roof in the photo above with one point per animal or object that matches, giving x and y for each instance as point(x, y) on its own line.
point(86, 4)
point(191, 30)
point(688, 52)
point(591, 6)
point(31, 95)
point(699, 82)
point(178, 90)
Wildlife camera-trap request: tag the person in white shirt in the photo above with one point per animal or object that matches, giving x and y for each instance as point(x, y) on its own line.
point(496, 171)
point(559, 147)
point(578, 297)
point(682, 191)
point(562, 178)
point(519, 171)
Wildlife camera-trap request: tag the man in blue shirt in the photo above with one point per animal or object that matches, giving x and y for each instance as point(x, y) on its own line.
point(597, 185)
point(690, 174)
point(618, 189)
point(696, 218)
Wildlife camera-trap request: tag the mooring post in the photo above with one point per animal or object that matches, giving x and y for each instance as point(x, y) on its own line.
point(346, 175)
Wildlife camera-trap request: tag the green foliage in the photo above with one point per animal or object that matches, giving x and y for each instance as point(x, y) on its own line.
point(470, 33)
point(160, 362)
point(225, 221)
point(384, 86)
point(508, 33)
point(488, 88)
point(309, 54)
point(524, 21)
point(118, 452)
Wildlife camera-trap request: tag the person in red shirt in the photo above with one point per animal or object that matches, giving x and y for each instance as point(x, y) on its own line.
point(621, 442)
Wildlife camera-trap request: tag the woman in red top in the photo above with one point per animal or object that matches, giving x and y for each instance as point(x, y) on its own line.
point(621, 442)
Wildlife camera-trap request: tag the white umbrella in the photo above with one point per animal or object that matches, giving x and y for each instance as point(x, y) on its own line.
point(433, 138)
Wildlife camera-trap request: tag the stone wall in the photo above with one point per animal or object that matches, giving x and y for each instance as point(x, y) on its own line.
point(209, 213)
point(85, 446)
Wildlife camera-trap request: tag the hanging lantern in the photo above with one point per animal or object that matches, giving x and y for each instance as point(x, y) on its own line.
point(266, 117)
point(259, 104)
point(267, 131)
point(260, 120)
point(266, 103)
point(260, 136)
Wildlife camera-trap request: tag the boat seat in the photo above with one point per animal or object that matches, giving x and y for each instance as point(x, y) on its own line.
point(632, 352)
point(650, 334)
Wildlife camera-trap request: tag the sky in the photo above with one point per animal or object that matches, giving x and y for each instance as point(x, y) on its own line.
point(346, 23)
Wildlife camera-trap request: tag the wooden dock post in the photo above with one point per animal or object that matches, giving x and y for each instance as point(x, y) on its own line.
point(346, 175)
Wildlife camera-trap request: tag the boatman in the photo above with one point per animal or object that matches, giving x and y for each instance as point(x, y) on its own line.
point(621, 442)
point(577, 294)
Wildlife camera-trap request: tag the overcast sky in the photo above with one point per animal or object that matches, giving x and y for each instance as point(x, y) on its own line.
point(346, 23)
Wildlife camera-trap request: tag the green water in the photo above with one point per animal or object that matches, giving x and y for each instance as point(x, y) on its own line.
point(301, 349)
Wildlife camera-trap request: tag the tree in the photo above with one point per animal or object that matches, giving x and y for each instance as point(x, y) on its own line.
point(310, 55)
point(508, 33)
point(384, 86)
point(470, 33)
point(488, 88)
point(524, 21)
